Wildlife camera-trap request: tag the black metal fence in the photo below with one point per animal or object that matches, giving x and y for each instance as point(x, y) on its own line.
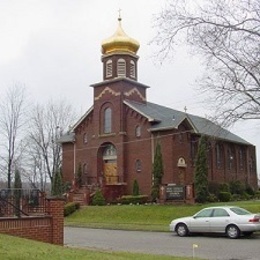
point(22, 202)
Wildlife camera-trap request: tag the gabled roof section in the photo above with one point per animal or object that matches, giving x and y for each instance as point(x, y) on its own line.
point(70, 136)
point(164, 118)
point(144, 110)
point(81, 119)
point(67, 138)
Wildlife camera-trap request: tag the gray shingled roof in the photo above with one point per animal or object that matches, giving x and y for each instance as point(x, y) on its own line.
point(166, 118)
point(67, 138)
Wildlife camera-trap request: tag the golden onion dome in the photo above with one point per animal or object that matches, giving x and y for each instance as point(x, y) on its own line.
point(119, 42)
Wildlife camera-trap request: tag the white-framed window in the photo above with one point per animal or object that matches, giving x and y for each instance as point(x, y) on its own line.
point(132, 69)
point(109, 70)
point(121, 67)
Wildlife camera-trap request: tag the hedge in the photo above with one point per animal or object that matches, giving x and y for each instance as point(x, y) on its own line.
point(131, 199)
point(224, 196)
point(70, 208)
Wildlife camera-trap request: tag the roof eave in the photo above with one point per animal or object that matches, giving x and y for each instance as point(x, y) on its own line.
point(81, 119)
point(150, 119)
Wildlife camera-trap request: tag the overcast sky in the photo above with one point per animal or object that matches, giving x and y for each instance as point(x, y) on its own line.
point(53, 47)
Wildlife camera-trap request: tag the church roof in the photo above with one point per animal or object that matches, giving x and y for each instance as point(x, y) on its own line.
point(164, 118)
point(67, 138)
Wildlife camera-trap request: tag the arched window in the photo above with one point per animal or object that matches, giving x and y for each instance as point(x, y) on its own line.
point(242, 157)
point(132, 69)
point(219, 155)
point(109, 152)
point(193, 148)
point(84, 168)
point(108, 120)
point(109, 70)
point(121, 67)
point(138, 165)
point(85, 138)
point(138, 131)
point(230, 158)
point(251, 165)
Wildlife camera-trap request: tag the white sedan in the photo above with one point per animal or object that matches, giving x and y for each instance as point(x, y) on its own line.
point(230, 220)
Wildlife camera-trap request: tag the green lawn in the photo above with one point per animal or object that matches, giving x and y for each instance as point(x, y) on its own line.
point(14, 248)
point(142, 217)
point(149, 217)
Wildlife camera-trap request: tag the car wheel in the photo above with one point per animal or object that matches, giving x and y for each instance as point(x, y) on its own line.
point(182, 230)
point(233, 231)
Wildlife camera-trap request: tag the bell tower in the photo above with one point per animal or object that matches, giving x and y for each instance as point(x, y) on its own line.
point(119, 55)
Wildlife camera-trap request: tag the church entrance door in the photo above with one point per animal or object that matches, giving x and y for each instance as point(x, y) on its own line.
point(110, 171)
point(110, 164)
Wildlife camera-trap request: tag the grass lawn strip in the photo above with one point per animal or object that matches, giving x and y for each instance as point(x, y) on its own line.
point(14, 248)
point(141, 217)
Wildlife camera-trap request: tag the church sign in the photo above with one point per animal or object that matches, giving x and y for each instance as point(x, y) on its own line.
point(175, 192)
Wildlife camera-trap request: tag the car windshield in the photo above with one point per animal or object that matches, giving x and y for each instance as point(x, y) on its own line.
point(240, 211)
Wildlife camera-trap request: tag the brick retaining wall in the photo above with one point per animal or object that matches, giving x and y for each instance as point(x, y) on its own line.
point(46, 228)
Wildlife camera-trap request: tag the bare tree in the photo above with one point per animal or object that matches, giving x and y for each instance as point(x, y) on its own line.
point(47, 124)
point(35, 172)
point(226, 35)
point(12, 120)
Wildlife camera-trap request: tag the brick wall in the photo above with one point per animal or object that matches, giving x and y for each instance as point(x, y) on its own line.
point(45, 228)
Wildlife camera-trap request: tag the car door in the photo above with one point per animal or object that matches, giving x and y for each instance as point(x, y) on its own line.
point(200, 221)
point(219, 220)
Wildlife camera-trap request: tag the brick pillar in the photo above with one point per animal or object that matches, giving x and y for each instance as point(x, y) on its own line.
point(56, 210)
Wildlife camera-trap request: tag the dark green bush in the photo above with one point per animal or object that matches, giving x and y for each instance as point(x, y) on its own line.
point(246, 196)
point(249, 190)
point(135, 188)
point(155, 193)
point(224, 187)
point(257, 195)
point(70, 208)
point(236, 197)
point(98, 199)
point(130, 199)
point(224, 196)
point(213, 188)
point(212, 198)
point(237, 187)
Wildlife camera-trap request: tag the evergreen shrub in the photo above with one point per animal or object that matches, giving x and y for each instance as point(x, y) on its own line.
point(237, 187)
point(135, 188)
point(236, 197)
point(224, 187)
point(131, 199)
point(213, 188)
point(212, 198)
point(70, 208)
point(257, 195)
point(249, 190)
point(246, 196)
point(224, 196)
point(98, 199)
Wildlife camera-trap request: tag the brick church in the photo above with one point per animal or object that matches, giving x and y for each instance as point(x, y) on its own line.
point(114, 141)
